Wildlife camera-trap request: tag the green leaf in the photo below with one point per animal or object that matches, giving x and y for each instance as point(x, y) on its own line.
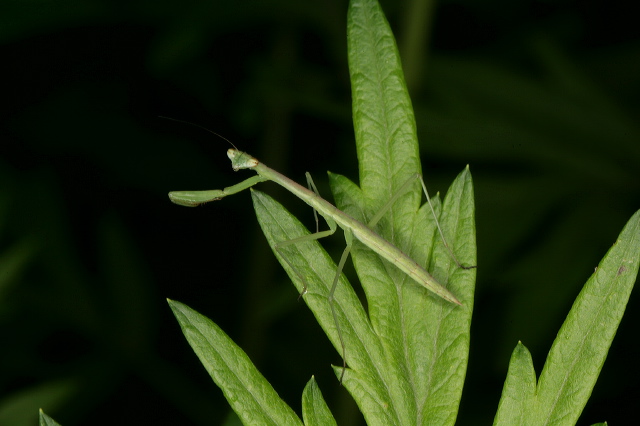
point(424, 337)
point(580, 349)
point(246, 390)
point(46, 420)
point(383, 120)
point(314, 409)
point(519, 390)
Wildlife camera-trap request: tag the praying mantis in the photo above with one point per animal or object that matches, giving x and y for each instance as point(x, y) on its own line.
point(334, 218)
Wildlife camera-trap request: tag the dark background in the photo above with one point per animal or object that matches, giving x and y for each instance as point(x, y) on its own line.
point(539, 97)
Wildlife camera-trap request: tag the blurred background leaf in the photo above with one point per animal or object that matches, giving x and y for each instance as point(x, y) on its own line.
point(540, 98)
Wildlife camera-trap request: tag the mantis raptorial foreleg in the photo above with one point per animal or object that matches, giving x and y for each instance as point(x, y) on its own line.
point(404, 188)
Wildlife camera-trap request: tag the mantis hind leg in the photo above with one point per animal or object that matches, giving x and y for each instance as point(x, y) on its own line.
point(444, 240)
point(404, 188)
point(349, 238)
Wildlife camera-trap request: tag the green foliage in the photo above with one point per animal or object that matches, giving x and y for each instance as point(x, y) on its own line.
point(578, 352)
point(407, 357)
point(248, 392)
point(542, 105)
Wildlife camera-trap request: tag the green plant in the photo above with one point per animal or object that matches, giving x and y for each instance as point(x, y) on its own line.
point(407, 359)
point(386, 351)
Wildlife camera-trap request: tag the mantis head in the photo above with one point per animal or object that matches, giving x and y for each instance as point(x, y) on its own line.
point(241, 160)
